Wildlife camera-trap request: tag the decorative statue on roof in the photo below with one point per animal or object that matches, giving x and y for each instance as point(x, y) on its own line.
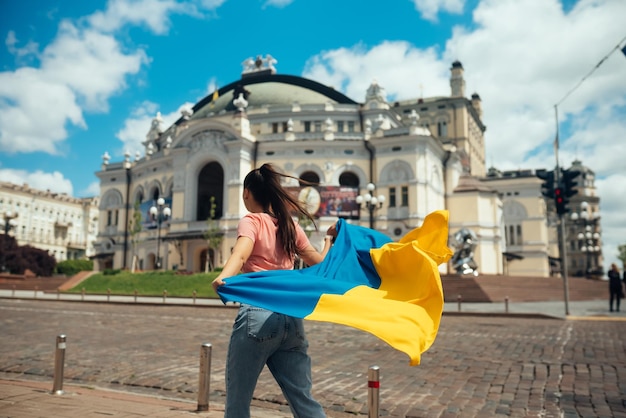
point(463, 258)
point(156, 128)
point(376, 92)
point(259, 63)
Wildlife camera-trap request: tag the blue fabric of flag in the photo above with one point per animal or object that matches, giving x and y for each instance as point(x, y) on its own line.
point(390, 289)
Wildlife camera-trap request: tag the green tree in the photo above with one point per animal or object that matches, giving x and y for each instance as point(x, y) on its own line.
point(134, 228)
point(622, 255)
point(213, 236)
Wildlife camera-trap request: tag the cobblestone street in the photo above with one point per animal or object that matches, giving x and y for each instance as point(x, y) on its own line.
point(479, 366)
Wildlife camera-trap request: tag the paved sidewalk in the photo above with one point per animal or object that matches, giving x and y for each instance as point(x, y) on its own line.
point(588, 309)
point(73, 297)
point(556, 309)
point(29, 399)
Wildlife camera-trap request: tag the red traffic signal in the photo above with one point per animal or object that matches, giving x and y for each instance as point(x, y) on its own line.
point(560, 201)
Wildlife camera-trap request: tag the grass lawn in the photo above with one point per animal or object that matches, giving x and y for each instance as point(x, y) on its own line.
point(149, 284)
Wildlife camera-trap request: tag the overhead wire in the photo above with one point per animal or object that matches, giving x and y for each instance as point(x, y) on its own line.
point(616, 47)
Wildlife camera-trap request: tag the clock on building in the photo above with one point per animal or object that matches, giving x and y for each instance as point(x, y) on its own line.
point(311, 198)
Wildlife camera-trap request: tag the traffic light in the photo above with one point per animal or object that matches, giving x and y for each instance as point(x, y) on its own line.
point(560, 201)
point(547, 187)
point(567, 178)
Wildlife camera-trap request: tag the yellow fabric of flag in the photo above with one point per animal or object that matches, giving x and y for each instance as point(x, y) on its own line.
point(405, 310)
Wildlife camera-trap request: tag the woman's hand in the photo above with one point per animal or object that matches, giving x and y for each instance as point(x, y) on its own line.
point(217, 283)
point(240, 253)
point(332, 231)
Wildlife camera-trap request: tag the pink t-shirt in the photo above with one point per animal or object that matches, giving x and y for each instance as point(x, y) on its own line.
point(267, 253)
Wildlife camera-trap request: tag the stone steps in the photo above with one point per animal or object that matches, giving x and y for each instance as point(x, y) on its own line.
point(491, 288)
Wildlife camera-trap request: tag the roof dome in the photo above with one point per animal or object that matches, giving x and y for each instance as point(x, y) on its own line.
point(269, 89)
point(578, 165)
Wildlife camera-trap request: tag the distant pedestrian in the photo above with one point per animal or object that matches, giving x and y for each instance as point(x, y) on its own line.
point(616, 289)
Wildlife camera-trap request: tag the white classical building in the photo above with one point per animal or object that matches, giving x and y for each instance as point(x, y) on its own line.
point(64, 226)
point(421, 155)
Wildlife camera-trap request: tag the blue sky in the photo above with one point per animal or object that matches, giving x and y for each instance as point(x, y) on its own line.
point(80, 78)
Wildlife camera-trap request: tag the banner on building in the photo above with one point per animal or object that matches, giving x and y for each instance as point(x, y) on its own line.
point(335, 201)
point(147, 220)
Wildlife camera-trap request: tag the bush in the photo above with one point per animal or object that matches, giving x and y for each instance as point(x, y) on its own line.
point(111, 272)
point(71, 267)
point(16, 259)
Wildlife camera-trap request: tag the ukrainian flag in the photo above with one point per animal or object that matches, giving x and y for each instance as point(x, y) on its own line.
point(389, 289)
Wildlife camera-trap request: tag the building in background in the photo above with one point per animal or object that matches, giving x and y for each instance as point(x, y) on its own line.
point(378, 163)
point(583, 228)
point(530, 231)
point(64, 226)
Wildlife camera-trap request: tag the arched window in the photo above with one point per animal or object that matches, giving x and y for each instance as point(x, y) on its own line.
point(310, 177)
point(210, 184)
point(348, 179)
point(139, 197)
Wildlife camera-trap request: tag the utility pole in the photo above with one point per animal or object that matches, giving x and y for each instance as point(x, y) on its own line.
point(560, 213)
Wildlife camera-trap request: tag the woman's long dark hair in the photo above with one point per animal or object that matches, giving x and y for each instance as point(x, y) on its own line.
point(264, 184)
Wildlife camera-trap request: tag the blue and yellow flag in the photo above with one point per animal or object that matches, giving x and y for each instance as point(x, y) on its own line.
point(216, 95)
point(389, 289)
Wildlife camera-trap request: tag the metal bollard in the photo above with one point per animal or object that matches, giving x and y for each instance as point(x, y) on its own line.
point(506, 304)
point(82, 294)
point(458, 300)
point(194, 297)
point(373, 389)
point(164, 296)
point(135, 295)
point(204, 385)
point(59, 362)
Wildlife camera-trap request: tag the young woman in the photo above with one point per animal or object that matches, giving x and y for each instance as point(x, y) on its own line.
point(269, 239)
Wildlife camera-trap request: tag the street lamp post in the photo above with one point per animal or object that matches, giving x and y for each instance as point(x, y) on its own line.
point(7, 222)
point(589, 237)
point(370, 202)
point(159, 213)
point(590, 245)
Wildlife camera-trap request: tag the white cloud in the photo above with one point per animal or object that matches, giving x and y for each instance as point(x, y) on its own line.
point(521, 74)
point(34, 111)
point(138, 124)
point(79, 72)
point(92, 190)
point(90, 63)
point(522, 57)
point(430, 8)
point(612, 190)
point(136, 127)
point(55, 181)
point(80, 69)
point(154, 14)
point(11, 41)
point(391, 64)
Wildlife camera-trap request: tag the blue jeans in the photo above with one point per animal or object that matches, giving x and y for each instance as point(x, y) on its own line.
point(262, 337)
